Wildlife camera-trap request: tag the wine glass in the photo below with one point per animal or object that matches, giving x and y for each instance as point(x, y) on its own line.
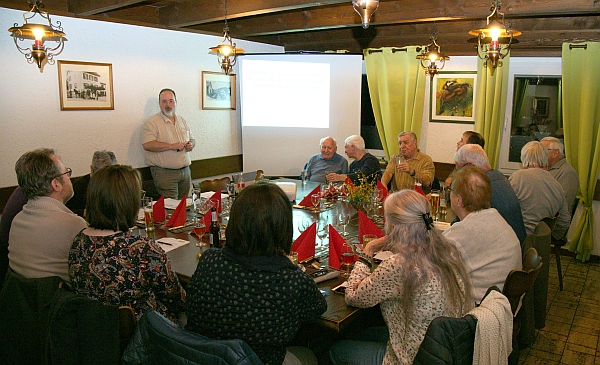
point(315, 200)
point(322, 231)
point(344, 219)
point(303, 224)
point(348, 258)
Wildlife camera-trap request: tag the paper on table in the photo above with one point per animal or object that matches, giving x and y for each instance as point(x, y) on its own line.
point(173, 203)
point(208, 194)
point(171, 243)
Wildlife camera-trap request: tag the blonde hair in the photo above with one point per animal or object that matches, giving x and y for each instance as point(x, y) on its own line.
point(424, 252)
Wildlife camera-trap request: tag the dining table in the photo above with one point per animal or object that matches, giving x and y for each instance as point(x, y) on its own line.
point(338, 316)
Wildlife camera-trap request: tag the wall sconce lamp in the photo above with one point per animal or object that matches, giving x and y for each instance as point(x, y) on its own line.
point(39, 33)
point(431, 54)
point(365, 8)
point(226, 51)
point(494, 40)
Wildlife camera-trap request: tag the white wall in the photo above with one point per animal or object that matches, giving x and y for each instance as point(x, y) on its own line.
point(144, 60)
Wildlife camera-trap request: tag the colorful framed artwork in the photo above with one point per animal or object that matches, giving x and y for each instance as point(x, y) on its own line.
point(218, 90)
point(453, 97)
point(85, 85)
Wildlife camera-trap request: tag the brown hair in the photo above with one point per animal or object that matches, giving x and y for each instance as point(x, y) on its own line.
point(35, 172)
point(474, 187)
point(113, 198)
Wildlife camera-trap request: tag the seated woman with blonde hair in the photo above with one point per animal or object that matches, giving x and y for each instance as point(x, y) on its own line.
point(107, 262)
point(424, 278)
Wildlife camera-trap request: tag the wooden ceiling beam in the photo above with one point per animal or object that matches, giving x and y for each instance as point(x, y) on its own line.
point(199, 12)
point(93, 7)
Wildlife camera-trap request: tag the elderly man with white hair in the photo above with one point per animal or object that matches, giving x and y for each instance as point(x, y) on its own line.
point(538, 191)
point(326, 162)
point(364, 163)
point(561, 170)
point(503, 196)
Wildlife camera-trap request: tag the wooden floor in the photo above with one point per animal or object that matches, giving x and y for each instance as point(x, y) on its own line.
point(573, 322)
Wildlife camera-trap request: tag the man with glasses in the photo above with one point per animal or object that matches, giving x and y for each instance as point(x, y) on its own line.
point(561, 170)
point(41, 234)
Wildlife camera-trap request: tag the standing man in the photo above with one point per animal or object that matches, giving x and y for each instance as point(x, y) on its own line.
point(561, 170)
point(408, 165)
point(326, 162)
point(99, 159)
point(504, 199)
point(41, 234)
point(167, 140)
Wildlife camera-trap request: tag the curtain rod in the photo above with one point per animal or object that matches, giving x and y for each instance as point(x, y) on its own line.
point(394, 50)
point(584, 46)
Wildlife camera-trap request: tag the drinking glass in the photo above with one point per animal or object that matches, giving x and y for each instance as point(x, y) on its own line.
point(293, 256)
point(344, 219)
point(367, 238)
point(303, 224)
point(315, 200)
point(148, 213)
point(435, 203)
point(199, 228)
point(196, 198)
point(348, 258)
point(322, 231)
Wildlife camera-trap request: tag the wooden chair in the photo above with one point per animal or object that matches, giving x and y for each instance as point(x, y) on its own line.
point(516, 288)
point(214, 185)
point(557, 244)
point(534, 313)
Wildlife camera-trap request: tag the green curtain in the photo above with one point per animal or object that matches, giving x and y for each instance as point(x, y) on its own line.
point(397, 88)
point(559, 114)
point(581, 116)
point(492, 88)
point(520, 89)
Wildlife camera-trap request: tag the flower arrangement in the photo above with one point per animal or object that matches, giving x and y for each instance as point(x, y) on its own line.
point(361, 192)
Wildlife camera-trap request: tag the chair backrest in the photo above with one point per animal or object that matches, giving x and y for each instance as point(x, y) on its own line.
point(215, 184)
point(127, 323)
point(550, 221)
point(518, 282)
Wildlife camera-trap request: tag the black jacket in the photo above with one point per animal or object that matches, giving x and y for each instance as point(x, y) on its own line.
point(448, 341)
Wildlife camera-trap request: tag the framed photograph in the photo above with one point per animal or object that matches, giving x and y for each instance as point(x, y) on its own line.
point(85, 86)
point(453, 97)
point(218, 90)
point(540, 106)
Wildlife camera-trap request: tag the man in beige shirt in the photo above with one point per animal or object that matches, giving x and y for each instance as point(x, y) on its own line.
point(409, 165)
point(167, 141)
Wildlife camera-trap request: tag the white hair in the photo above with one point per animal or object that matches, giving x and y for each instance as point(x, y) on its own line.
point(325, 138)
point(473, 154)
point(355, 141)
point(555, 143)
point(534, 154)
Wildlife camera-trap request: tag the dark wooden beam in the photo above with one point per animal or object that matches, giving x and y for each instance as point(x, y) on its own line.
point(93, 7)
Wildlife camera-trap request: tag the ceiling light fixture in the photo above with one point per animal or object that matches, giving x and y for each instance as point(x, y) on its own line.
point(494, 40)
point(226, 51)
point(432, 54)
point(39, 33)
point(365, 8)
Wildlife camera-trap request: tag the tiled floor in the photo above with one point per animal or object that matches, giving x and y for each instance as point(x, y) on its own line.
point(573, 321)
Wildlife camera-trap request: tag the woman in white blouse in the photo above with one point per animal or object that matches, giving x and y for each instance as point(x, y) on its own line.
point(424, 278)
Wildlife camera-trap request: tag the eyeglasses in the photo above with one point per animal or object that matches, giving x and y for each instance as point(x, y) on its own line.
point(69, 172)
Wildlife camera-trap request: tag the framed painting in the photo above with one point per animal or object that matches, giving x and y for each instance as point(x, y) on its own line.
point(540, 106)
point(453, 97)
point(85, 86)
point(218, 90)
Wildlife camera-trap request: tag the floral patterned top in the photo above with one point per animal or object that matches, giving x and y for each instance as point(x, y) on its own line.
point(124, 269)
point(385, 286)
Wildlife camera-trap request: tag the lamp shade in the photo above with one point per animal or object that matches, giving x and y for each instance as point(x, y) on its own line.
point(365, 8)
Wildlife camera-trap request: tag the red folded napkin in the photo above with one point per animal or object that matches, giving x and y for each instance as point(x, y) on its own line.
point(216, 199)
point(419, 190)
point(366, 226)
point(306, 202)
point(348, 181)
point(336, 241)
point(158, 210)
point(180, 215)
point(305, 243)
point(380, 186)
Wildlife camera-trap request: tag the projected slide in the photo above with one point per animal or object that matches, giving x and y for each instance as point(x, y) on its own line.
point(286, 94)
